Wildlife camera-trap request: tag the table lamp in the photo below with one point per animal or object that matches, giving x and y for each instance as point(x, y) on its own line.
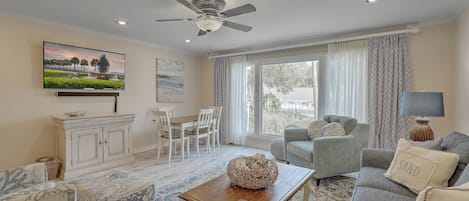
point(422, 104)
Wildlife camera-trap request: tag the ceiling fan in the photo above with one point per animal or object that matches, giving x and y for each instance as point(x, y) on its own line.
point(211, 17)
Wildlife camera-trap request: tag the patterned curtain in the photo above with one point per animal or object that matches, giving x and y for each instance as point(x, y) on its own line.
point(222, 80)
point(389, 76)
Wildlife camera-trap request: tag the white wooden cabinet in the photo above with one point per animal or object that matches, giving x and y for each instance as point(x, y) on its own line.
point(94, 142)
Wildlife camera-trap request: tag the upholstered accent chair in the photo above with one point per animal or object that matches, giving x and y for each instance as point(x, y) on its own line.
point(329, 155)
point(30, 183)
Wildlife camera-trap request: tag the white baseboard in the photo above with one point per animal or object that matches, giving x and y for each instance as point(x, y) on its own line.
point(144, 149)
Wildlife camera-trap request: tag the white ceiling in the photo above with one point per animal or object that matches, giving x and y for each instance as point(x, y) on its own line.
point(275, 22)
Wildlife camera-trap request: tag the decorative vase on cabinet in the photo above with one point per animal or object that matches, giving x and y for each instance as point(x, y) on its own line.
point(91, 143)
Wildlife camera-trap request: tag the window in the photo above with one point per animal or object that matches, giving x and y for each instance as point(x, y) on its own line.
point(280, 94)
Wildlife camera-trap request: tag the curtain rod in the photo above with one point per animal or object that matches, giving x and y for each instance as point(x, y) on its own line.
point(323, 42)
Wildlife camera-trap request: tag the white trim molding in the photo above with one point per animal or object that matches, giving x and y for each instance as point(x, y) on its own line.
point(349, 37)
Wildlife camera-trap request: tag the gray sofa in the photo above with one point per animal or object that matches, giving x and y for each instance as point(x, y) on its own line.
point(329, 156)
point(373, 186)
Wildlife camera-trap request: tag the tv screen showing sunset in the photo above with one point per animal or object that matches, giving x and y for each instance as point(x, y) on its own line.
point(70, 67)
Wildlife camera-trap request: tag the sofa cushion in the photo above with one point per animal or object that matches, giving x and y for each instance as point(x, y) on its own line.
point(349, 123)
point(457, 143)
point(430, 144)
point(374, 178)
point(463, 177)
point(373, 194)
point(44, 191)
point(22, 177)
point(302, 149)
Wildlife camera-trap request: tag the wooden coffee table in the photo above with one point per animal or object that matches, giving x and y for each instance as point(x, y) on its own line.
point(290, 180)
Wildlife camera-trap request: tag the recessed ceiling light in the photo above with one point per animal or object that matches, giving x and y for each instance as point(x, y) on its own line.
point(121, 22)
point(187, 41)
point(371, 1)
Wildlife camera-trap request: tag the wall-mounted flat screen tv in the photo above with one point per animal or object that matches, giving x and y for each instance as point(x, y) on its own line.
point(71, 67)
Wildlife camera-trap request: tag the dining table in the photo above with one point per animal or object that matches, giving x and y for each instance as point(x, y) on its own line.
point(186, 122)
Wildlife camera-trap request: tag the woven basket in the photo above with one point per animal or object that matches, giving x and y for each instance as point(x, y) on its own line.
point(255, 172)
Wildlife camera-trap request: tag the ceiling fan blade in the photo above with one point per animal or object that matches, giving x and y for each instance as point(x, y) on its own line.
point(172, 20)
point(248, 8)
point(201, 33)
point(237, 26)
point(189, 5)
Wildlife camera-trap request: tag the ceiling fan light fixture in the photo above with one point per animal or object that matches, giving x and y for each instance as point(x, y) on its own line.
point(209, 23)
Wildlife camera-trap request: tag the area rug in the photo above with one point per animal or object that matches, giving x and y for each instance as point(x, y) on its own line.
point(173, 179)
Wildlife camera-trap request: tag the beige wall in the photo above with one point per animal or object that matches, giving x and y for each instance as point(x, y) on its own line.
point(431, 58)
point(461, 73)
point(26, 127)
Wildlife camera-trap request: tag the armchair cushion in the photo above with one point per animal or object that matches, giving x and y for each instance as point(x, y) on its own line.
point(302, 149)
point(349, 123)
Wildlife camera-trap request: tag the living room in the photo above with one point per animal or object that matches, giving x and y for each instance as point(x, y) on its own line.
point(262, 77)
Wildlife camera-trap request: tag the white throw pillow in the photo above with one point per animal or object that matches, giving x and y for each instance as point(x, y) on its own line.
point(457, 193)
point(315, 129)
point(333, 129)
point(417, 167)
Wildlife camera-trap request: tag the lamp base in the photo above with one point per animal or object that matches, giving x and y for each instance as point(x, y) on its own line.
point(421, 131)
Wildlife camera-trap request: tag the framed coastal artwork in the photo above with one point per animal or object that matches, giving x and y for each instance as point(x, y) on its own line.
point(169, 81)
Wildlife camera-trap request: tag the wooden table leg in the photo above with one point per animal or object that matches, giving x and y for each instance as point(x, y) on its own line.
point(307, 189)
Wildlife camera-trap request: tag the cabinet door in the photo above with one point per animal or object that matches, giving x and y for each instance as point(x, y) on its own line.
point(116, 142)
point(86, 147)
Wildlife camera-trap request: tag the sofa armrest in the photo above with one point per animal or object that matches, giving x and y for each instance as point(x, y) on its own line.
point(376, 158)
point(22, 177)
point(295, 134)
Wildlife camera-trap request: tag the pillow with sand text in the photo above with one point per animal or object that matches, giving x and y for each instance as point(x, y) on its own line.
point(418, 168)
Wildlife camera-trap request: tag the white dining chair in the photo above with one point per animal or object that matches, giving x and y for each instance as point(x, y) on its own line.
point(168, 109)
point(217, 110)
point(202, 129)
point(169, 135)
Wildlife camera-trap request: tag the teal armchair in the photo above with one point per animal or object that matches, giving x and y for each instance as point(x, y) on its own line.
point(329, 156)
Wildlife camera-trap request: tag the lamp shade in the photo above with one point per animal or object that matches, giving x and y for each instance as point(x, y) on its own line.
point(423, 104)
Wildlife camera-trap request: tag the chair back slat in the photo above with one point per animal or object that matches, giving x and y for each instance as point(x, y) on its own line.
point(169, 110)
point(217, 111)
point(205, 118)
point(163, 122)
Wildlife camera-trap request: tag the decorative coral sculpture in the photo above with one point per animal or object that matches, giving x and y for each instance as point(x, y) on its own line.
point(254, 172)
